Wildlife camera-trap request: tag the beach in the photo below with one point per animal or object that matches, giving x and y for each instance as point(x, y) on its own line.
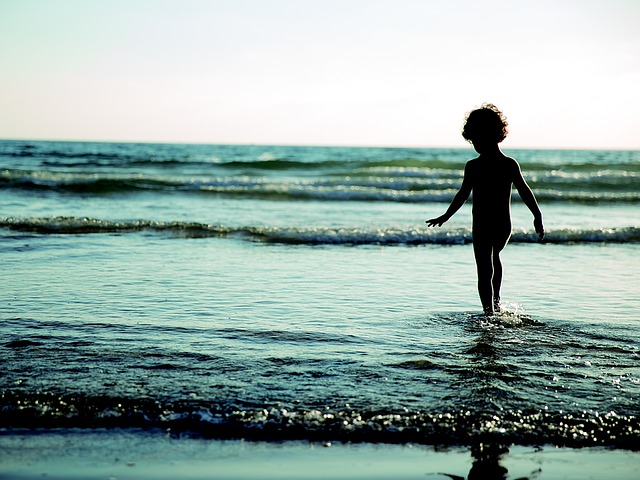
point(229, 311)
point(135, 455)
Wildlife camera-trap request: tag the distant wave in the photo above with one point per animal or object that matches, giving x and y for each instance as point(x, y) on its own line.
point(82, 183)
point(270, 422)
point(307, 236)
point(393, 185)
point(32, 152)
point(273, 158)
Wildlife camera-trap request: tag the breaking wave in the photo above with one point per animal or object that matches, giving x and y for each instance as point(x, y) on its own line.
point(405, 184)
point(307, 236)
point(276, 422)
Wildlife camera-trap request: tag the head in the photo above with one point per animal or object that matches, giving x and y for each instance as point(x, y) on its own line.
point(485, 127)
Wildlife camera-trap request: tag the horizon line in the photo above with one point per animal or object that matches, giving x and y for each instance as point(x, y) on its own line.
point(309, 145)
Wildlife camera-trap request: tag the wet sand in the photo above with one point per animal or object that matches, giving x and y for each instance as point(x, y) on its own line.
point(117, 454)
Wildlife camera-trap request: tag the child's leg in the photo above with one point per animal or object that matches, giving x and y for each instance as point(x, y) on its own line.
point(497, 279)
point(484, 263)
point(498, 245)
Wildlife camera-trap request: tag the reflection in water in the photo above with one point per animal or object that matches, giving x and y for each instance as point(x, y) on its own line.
point(487, 464)
point(485, 374)
point(486, 371)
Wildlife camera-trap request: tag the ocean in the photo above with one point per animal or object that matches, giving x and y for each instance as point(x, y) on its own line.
point(296, 293)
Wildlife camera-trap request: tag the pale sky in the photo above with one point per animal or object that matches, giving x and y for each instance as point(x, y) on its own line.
point(320, 72)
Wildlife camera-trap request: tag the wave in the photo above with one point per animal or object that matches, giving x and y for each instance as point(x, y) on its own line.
point(392, 185)
point(82, 183)
point(287, 157)
point(276, 422)
point(258, 158)
point(32, 152)
point(307, 236)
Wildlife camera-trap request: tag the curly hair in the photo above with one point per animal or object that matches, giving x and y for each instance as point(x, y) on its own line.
point(486, 123)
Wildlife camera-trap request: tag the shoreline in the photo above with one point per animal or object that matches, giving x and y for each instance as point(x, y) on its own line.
point(140, 454)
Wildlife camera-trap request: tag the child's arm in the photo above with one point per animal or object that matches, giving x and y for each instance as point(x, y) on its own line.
point(456, 203)
point(529, 200)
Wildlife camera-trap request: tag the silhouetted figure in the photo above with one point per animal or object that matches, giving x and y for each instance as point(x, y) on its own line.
point(490, 177)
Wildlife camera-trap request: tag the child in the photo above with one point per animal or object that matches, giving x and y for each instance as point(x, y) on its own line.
point(490, 177)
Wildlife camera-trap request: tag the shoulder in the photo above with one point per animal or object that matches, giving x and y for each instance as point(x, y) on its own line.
point(513, 167)
point(471, 164)
point(471, 169)
point(512, 163)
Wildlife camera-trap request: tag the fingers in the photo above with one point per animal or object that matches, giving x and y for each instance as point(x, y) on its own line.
point(438, 221)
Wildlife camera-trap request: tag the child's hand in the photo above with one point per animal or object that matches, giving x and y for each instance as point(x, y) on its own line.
point(437, 221)
point(537, 224)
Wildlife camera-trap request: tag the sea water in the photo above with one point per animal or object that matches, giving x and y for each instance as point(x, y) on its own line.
point(278, 292)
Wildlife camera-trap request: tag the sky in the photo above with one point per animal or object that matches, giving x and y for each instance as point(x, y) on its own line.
point(320, 72)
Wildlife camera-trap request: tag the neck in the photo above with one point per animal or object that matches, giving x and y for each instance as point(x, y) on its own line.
point(487, 149)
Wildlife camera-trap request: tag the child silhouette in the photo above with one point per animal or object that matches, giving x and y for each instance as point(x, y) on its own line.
point(490, 177)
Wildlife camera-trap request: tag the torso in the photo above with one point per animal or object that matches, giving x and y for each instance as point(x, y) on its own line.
point(491, 180)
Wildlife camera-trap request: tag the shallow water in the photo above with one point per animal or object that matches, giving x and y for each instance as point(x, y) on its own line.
point(141, 455)
point(286, 315)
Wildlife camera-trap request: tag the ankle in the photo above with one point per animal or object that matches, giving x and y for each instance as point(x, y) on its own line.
point(496, 304)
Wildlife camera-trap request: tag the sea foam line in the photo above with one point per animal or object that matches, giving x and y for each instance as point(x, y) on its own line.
point(308, 236)
point(204, 420)
point(347, 188)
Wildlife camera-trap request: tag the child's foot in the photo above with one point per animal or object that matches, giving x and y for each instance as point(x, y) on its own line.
point(496, 305)
point(488, 311)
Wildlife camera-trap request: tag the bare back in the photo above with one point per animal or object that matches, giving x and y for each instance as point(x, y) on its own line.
point(491, 178)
